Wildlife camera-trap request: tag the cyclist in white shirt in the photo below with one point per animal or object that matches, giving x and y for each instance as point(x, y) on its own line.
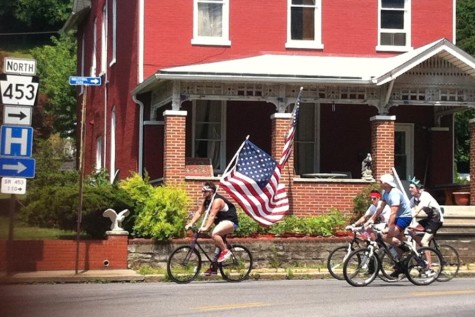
point(382, 220)
point(423, 201)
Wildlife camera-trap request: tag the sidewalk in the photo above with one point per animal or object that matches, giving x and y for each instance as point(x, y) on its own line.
point(111, 276)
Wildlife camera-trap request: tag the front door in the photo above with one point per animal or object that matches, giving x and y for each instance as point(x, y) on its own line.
point(404, 150)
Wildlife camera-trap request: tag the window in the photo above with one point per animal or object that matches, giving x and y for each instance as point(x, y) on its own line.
point(304, 29)
point(211, 22)
point(94, 48)
point(112, 146)
point(404, 150)
point(306, 140)
point(98, 154)
point(104, 40)
point(208, 132)
point(114, 32)
point(394, 25)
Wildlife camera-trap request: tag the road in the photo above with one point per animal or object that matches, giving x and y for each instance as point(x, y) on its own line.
point(250, 298)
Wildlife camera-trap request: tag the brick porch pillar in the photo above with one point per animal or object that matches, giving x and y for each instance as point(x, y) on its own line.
point(280, 126)
point(382, 144)
point(472, 161)
point(174, 147)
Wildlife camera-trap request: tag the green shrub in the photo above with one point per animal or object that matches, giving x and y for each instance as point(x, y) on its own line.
point(161, 212)
point(55, 203)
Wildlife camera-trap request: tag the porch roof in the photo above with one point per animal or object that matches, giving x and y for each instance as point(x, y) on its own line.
point(314, 69)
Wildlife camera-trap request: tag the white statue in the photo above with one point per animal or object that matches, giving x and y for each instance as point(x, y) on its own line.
point(116, 218)
point(366, 172)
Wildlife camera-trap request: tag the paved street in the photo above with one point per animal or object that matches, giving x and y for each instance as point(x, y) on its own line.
point(250, 298)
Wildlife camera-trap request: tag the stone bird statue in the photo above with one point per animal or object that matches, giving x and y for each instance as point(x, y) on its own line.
point(116, 218)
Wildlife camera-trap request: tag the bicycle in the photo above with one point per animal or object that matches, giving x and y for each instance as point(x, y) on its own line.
point(337, 256)
point(363, 265)
point(184, 263)
point(450, 258)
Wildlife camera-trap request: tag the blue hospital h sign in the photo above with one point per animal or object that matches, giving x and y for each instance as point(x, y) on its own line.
point(16, 141)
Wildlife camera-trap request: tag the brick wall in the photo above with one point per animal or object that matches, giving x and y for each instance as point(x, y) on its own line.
point(174, 158)
point(382, 144)
point(47, 255)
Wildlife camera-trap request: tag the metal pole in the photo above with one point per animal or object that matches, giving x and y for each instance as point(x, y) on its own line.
point(81, 174)
point(12, 217)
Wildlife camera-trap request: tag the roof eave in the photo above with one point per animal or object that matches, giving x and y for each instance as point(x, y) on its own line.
point(80, 11)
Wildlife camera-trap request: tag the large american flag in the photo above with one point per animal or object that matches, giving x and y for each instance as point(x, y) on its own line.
point(254, 181)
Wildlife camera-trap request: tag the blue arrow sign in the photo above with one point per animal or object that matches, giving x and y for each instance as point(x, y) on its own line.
point(84, 81)
point(16, 141)
point(17, 167)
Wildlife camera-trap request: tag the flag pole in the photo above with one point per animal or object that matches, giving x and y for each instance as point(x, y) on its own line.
point(222, 176)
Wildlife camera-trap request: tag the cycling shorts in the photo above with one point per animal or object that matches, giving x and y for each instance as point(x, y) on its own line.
point(430, 226)
point(403, 222)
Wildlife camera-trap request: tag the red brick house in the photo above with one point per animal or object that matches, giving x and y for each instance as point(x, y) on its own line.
point(184, 82)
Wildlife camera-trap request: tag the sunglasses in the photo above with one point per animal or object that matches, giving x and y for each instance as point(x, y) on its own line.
point(374, 198)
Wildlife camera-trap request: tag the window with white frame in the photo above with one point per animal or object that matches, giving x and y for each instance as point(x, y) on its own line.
point(112, 146)
point(306, 159)
point(94, 48)
point(209, 132)
point(114, 32)
point(394, 31)
point(304, 24)
point(211, 22)
point(98, 154)
point(104, 40)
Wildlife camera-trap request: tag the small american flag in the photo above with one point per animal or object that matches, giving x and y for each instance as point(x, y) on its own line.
point(254, 181)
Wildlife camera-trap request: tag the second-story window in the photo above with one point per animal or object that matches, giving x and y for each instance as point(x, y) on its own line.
point(394, 25)
point(211, 22)
point(304, 24)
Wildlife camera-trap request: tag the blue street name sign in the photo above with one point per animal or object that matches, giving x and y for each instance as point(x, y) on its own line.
point(16, 141)
point(17, 167)
point(84, 81)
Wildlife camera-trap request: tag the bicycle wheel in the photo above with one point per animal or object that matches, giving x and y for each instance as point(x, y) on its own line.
point(184, 264)
point(238, 266)
point(424, 267)
point(387, 266)
point(360, 269)
point(335, 261)
point(450, 263)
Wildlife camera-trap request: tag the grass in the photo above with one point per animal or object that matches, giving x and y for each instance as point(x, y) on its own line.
point(22, 231)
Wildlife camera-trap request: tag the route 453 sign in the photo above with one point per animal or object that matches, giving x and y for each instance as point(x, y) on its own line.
point(19, 90)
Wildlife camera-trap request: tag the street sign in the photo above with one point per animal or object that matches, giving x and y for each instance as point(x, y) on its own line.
point(17, 167)
point(20, 66)
point(13, 185)
point(85, 81)
point(16, 141)
point(17, 115)
point(19, 90)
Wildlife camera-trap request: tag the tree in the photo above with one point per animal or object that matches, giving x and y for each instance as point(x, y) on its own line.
point(55, 63)
point(48, 13)
point(466, 41)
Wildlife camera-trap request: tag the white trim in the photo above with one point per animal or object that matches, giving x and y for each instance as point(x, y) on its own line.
point(279, 115)
point(178, 113)
point(114, 33)
point(382, 118)
point(112, 145)
point(104, 40)
point(92, 71)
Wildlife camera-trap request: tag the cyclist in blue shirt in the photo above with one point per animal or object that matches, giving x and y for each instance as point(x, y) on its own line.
point(400, 217)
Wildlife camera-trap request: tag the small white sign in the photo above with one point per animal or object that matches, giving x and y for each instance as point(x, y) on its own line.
point(12, 185)
point(17, 115)
point(20, 66)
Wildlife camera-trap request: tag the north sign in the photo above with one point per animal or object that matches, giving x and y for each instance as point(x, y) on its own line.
point(19, 90)
point(17, 167)
point(17, 115)
point(85, 81)
point(20, 66)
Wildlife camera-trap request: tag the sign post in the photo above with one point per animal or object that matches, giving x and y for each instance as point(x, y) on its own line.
point(82, 81)
point(18, 87)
